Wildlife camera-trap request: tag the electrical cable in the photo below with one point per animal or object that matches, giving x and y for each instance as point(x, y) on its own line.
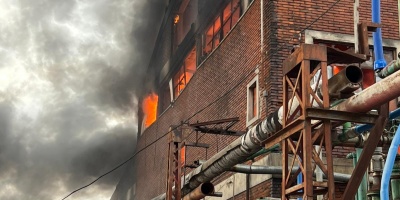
point(201, 110)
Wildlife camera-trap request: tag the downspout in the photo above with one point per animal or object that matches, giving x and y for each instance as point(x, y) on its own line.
point(387, 170)
point(377, 36)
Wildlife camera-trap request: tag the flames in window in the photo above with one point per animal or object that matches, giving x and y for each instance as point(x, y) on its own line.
point(149, 107)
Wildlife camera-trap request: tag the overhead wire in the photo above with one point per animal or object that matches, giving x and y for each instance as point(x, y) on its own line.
point(207, 106)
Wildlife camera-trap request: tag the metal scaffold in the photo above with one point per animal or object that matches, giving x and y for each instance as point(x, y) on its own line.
point(306, 127)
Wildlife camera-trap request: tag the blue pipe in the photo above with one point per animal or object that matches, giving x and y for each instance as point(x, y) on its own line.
point(365, 127)
point(299, 181)
point(387, 170)
point(380, 62)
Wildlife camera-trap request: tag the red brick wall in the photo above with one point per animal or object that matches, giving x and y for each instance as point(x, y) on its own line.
point(261, 190)
point(237, 55)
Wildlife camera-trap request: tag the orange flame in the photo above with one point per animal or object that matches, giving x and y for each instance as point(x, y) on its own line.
point(149, 107)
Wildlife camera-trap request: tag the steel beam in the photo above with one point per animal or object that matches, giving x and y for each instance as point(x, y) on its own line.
point(367, 153)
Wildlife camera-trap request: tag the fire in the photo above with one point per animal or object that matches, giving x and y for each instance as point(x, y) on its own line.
point(149, 107)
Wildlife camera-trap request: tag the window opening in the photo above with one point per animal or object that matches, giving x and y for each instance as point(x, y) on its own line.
point(185, 73)
point(221, 26)
point(149, 107)
point(252, 101)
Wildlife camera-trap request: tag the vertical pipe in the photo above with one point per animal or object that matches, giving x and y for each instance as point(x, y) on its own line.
point(354, 155)
point(299, 181)
point(356, 16)
point(377, 36)
point(362, 189)
point(387, 170)
point(395, 182)
point(247, 186)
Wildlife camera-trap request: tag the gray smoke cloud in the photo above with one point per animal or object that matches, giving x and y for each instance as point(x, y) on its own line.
point(69, 72)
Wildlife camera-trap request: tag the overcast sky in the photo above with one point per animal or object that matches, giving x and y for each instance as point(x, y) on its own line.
point(69, 70)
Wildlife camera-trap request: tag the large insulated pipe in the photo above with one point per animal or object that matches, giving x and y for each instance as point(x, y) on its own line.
point(205, 189)
point(377, 36)
point(248, 144)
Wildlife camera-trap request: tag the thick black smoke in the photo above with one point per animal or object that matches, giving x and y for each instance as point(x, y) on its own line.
point(69, 72)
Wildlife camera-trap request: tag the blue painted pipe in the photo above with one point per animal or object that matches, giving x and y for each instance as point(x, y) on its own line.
point(380, 62)
point(299, 181)
point(387, 170)
point(365, 127)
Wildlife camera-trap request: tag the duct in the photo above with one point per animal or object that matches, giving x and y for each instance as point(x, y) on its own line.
point(377, 36)
point(248, 144)
point(257, 169)
point(200, 192)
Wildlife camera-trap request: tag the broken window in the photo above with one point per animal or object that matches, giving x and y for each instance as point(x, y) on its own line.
point(183, 20)
point(221, 26)
point(185, 73)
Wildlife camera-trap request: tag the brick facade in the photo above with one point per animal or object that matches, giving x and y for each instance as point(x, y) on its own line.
point(235, 58)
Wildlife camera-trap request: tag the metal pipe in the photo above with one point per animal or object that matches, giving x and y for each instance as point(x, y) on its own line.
point(359, 141)
point(387, 170)
point(357, 130)
point(395, 182)
point(389, 69)
point(263, 151)
point(258, 169)
point(344, 83)
point(377, 36)
point(375, 95)
point(248, 144)
point(200, 192)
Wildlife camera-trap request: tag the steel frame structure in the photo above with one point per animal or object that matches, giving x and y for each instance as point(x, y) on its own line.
point(305, 127)
point(174, 170)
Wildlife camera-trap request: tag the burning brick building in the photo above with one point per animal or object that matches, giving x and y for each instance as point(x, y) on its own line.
point(218, 68)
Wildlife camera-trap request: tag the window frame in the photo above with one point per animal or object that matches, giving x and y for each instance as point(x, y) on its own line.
point(210, 41)
point(250, 119)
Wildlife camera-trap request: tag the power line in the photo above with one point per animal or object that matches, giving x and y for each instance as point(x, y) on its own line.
point(201, 110)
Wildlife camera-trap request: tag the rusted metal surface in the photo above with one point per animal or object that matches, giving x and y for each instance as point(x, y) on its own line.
point(342, 116)
point(367, 153)
point(363, 30)
point(370, 98)
point(299, 70)
point(226, 123)
point(343, 84)
point(174, 171)
point(205, 189)
point(343, 57)
point(220, 121)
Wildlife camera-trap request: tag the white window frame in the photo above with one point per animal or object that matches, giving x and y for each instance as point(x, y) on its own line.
point(250, 99)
